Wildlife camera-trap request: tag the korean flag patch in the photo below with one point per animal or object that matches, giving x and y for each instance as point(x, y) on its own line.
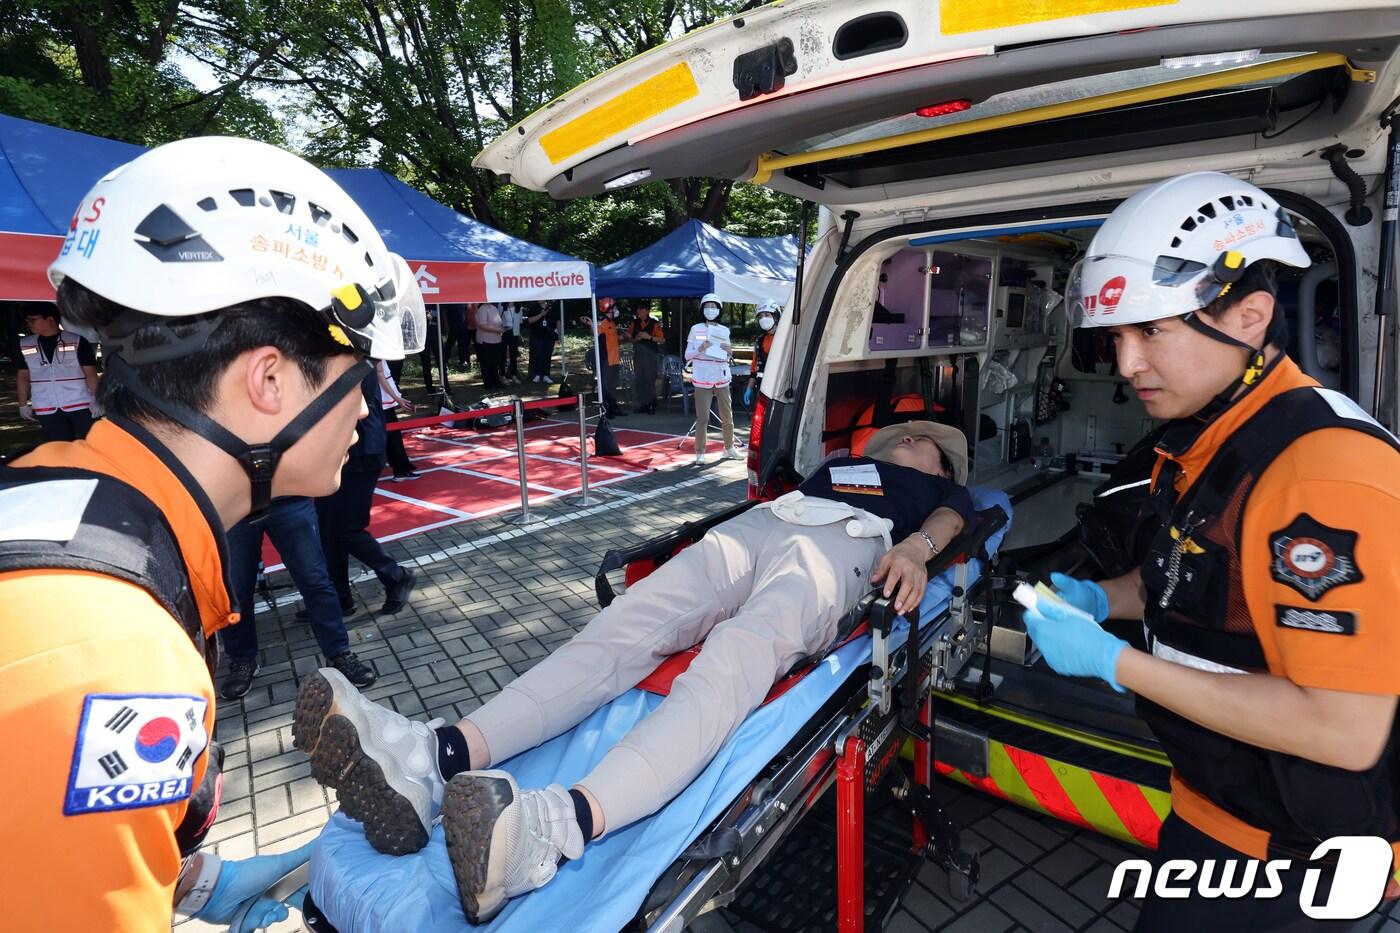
point(1312, 557)
point(135, 750)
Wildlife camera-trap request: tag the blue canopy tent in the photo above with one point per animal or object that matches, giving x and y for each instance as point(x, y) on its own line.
point(45, 172)
point(696, 259)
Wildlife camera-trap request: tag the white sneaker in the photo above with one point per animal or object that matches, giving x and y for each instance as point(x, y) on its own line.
point(700, 459)
point(503, 841)
point(382, 765)
point(731, 454)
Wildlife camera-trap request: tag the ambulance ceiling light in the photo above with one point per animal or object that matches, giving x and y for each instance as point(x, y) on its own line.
point(631, 178)
point(1241, 57)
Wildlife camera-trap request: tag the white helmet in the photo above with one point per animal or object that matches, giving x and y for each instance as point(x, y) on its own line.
point(711, 299)
point(201, 224)
point(413, 313)
point(1175, 247)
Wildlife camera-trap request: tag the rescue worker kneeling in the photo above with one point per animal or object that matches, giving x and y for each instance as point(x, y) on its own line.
point(763, 590)
point(1269, 594)
point(232, 371)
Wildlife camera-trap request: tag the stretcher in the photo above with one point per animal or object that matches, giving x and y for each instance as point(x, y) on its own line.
point(839, 720)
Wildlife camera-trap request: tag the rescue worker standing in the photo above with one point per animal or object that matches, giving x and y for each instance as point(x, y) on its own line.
point(610, 352)
point(767, 317)
point(646, 337)
point(57, 379)
point(1269, 592)
point(232, 370)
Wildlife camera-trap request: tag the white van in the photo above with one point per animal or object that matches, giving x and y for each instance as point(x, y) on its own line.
point(962, 153)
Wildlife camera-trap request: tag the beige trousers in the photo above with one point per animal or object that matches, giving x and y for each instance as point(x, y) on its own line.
point(766, 593)
point(702, 415)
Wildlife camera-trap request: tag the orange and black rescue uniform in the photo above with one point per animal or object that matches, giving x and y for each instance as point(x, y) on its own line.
point(106, 701)
point(1277, 555)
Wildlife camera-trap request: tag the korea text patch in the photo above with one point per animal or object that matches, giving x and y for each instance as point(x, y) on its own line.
point(1312, 557)
point(135, 750)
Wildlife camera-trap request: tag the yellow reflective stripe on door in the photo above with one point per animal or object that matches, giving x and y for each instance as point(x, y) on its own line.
point(958, 16)
point(653, 96)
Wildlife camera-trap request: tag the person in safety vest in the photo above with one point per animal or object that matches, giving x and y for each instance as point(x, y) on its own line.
point(236, 291)
point(767, 317)
point(707, 350)
point(647, 337)
point(609, 353)
point(57, 378)
point(1268, 595)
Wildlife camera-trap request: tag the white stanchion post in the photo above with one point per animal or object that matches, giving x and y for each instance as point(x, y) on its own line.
point(524, 518)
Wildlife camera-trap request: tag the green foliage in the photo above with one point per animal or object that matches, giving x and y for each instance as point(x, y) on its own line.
point(417, 87)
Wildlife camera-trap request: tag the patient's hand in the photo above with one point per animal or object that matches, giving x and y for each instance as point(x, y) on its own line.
point(904, 571)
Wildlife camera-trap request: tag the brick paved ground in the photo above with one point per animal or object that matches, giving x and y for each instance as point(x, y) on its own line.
point(495, 598)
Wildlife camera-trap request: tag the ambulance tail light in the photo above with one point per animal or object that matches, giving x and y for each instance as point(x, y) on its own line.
point(760, 409)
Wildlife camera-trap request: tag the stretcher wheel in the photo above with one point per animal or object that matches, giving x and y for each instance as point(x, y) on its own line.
point(963, 875)
point(959, 886)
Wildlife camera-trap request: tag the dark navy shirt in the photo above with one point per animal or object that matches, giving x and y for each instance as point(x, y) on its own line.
point(367, 453)
point(904, 495)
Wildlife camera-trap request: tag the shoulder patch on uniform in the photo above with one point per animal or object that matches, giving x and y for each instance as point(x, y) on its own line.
point(1328, 621)
point(1312, 557)
point(135, 750)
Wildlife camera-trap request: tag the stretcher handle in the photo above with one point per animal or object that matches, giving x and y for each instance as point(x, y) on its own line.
point(970, 542)
point(659, 549)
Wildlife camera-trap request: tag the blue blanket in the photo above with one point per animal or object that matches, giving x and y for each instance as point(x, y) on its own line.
point(360, 890)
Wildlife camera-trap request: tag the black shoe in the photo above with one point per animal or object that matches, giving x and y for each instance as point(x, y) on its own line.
point(396, 596)
point(356, 671)
point(400, 477)
point(347, 609)
point(239, 680)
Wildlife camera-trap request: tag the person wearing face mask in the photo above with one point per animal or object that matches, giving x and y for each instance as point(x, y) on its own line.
point(767, 317)
point(646, 337)
point(707, 350)
point(610, 352)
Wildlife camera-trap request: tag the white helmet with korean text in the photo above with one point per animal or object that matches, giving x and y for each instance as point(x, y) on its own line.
point(203, 224)
point(1173, 248)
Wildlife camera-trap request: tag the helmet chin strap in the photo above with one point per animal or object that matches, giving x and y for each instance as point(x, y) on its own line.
point(259, 461)
point(1254, 370)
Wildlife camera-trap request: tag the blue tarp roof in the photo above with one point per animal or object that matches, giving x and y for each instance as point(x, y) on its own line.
point(46, 171)
point(696, 258)
point(417, 227)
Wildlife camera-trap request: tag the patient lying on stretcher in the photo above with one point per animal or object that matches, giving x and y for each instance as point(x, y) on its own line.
point(762, 590)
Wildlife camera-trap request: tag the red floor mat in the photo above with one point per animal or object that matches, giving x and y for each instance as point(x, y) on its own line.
point(446, 458)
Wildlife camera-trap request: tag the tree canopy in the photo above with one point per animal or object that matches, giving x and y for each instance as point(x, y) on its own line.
point(417, 87)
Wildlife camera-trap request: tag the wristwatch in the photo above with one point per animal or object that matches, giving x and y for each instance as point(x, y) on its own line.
point(932, 544)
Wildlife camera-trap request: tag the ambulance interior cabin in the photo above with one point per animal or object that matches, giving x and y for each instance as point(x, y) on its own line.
point(978, 330)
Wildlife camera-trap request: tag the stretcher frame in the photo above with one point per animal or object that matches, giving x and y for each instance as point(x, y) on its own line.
point(852, 743)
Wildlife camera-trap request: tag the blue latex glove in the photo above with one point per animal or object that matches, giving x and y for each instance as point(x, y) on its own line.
point(748, 396)
point(1072, 644)
point(249, 878)
point(1082, 594)
point(267, 911)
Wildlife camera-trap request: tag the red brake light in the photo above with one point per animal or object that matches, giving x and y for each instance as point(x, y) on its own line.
point(760, 409)
point(945, 108)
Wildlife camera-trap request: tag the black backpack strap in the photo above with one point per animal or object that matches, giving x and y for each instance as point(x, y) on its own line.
point(120, 534)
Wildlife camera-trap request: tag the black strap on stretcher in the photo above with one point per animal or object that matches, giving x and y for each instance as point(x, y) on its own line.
point(659, 550)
